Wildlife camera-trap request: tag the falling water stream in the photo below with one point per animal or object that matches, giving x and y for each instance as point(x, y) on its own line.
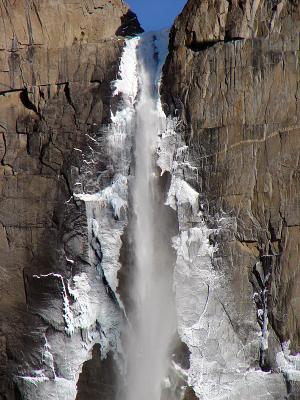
point(134, 204)
point(152, 322)
point(148, 206)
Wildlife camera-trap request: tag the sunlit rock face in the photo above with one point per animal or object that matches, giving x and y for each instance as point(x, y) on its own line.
point(58, 60)
point(226, 161)
point(232, 78)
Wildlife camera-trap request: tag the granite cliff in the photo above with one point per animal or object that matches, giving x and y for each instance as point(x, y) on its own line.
point(57, 60)
point(232, 77)
point(229, 160)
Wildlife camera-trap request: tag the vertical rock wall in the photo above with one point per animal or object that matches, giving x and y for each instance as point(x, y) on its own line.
point(232, 76)
point(57, 61)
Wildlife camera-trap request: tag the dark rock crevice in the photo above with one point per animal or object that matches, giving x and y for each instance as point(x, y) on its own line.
point(202, 46)
point(27, 103)
point(68, 96)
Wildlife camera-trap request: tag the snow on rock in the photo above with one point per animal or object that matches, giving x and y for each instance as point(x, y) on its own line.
point(289, 364)
point(67, 313)
point(91, 308)
point(181, 193)
point(35, 388)
point(220, 364)
point(167, 143)
point(81, 306)
point(127, 84)
point(107, 209)
point(107, 218)
point(219, 361)
point(119, 138)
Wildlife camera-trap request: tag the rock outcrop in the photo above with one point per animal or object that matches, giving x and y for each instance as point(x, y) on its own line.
point(232, 80)
point(58, 60)
point(232, 77)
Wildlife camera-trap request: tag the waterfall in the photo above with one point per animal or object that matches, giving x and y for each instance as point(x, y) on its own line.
point(144, 198)
point(152, 318)
point(131, 200)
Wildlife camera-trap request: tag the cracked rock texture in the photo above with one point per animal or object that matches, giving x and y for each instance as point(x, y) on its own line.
point(57, 61)
point(233, 78)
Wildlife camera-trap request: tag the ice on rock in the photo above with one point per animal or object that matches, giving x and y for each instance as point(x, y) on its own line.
point(106, 210)
point(219, 362)
point(218, 371)
point(114, 197)
point(44, 388)
point(289, 364)
point(181, 193)
point(127, 84)
point(67, 312)
point(81, 307)
point(119, 139)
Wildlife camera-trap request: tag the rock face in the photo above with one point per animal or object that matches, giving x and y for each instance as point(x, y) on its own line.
point(57, 62)
point(232, 77)
point(232, 80)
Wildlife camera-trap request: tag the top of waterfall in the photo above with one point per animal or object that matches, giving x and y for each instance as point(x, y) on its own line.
point(156, 14)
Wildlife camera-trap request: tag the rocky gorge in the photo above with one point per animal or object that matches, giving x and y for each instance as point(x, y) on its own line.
point(228, 164)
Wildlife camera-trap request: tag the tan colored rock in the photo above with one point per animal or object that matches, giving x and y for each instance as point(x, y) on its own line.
point(233, 77)
point(205, 22)
point(57, 61)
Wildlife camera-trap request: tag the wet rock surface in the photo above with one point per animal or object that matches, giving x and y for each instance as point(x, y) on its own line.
point(232, 76)
point(57, 61)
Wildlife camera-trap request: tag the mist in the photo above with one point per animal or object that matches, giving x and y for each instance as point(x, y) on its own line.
point(152, 321)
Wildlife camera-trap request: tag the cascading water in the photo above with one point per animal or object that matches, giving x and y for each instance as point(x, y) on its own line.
point(136, 202)
point(134, 206)
point(153, 321)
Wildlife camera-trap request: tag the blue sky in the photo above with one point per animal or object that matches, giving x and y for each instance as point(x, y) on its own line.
point(156, 14)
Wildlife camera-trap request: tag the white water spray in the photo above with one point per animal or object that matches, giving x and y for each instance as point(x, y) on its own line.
point(153, 322)
point(138, 124)
point(201, 291)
